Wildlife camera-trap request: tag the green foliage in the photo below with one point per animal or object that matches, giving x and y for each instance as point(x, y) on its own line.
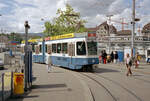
point(68, 21)
point(15, 37)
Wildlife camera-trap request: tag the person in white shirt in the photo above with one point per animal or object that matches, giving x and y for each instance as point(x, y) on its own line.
point(128, 64)
point(49, 64)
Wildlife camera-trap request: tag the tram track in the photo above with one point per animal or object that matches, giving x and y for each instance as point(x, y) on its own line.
point(142, 72)
point(92, 94)
point(146, 73)
point(116, 83)
point(100, 84)
point(114, 97)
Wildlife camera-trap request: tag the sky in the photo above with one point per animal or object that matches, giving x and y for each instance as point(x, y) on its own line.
point(16, 12)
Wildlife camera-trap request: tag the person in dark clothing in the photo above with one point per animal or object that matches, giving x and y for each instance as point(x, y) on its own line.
point(115, 57)
point(102, 61)
point(112, 56)
point(104, 56)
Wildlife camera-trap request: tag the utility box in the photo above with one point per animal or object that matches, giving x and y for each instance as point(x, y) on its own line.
point(18, 83)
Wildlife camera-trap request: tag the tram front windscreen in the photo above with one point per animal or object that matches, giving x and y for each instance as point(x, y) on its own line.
point(81, 48)
point(92, 48)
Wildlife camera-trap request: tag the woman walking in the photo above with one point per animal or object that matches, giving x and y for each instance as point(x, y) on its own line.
point(49, 64)
point(128, 64)
point(104, 56)
point(137, 60)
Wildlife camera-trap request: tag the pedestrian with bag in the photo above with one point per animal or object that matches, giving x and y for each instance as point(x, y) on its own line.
point(49, 65)
point(115, 57)
point(128, 62)
point(137, 60)
point(112, 56)
point(104, 56)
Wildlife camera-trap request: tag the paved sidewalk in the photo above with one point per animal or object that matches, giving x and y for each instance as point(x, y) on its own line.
point(58, 85)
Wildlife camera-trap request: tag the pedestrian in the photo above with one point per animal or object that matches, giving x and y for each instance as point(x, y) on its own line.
point(148, 59)
point(112, 56)
point(104, 56)
point(108, 59)
point(137, 60)
point(49, 65)
point(115, 57)
point(128, 64)
point(100, 59)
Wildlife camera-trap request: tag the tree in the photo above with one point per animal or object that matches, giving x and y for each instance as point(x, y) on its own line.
point(15, 37)
point(68, 21)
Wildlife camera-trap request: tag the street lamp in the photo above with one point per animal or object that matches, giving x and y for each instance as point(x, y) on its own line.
point(109, 18)
point(133, 28)
point(43, 44)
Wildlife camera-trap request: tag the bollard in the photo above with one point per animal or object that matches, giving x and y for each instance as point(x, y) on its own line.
point(3, 87)
point(12, 83)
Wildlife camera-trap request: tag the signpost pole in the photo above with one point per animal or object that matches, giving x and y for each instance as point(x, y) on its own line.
point(26, 54)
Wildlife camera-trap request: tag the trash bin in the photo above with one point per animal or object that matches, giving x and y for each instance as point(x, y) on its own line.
point(18, 83)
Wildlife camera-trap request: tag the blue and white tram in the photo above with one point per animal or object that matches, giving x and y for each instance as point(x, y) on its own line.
point(39, 53)
point(72, 53)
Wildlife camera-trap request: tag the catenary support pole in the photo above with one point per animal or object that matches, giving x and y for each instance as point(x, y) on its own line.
point(26, 54)
point(133, 28)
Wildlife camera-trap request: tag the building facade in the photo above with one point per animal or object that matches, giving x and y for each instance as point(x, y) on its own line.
point(110, 39)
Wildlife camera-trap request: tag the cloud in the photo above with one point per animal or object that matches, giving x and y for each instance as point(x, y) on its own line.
point(33, 13)
point(117, 7)
point(91, 7)
point(2, 5)
point(94, 11)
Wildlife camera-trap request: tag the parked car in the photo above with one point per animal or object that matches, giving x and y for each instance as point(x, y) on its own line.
point(1, 64)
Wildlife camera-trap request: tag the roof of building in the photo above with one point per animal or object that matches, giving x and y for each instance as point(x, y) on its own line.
point(146, 28)
point(124, 32)
point(106, 26)
point(3, 38)
point(92, 29)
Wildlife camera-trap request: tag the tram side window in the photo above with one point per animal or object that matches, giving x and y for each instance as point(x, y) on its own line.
point(64, 48)
point(54, 48)
point(148, 52)
point(59, 48)
point(49, 49)
point(81, 49)
point(40, 48)
point(22, 49)
point(33, 48)
point(37, 49)
point(92, 48)
point(46, 48)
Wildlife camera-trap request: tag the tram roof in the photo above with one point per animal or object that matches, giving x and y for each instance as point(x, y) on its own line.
point(62, 37)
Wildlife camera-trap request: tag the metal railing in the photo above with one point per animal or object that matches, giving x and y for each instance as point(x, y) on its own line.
point(15, 64)
point(6, 85)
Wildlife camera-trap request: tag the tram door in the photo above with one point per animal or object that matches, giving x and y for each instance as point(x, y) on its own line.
point(148, 52)
point(71, 50)
point(49, 49)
